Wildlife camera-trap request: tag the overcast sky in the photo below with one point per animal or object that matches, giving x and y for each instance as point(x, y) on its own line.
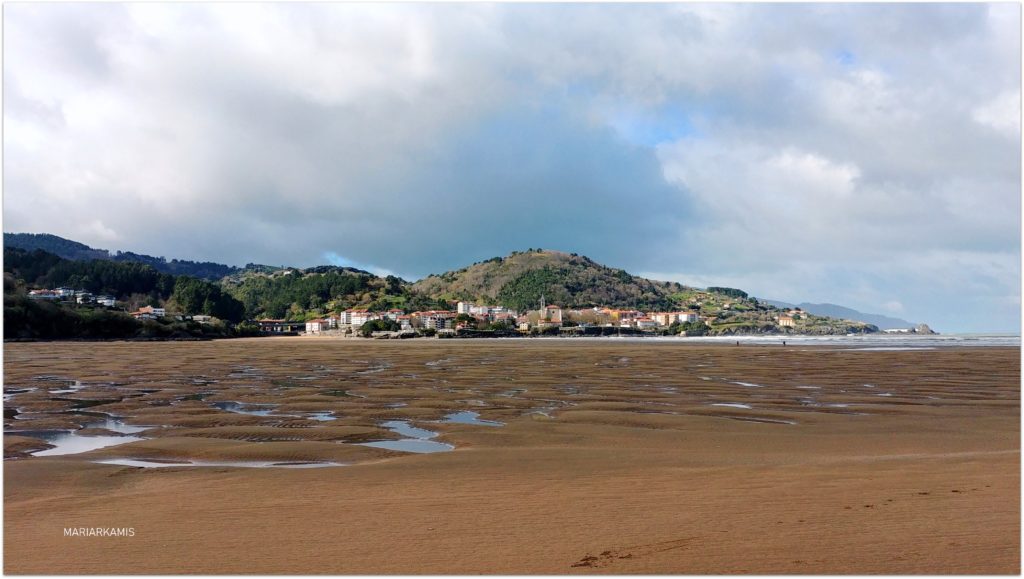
point(866, 155)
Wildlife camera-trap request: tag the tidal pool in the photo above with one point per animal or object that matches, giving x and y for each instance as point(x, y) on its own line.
point(70, 442)
point(417, 442)
point(468, 417)
point(250, 409)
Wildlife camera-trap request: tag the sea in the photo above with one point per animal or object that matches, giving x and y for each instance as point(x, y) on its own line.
point(877, 342)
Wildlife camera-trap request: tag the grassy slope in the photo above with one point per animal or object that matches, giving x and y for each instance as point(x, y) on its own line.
point(564, 279)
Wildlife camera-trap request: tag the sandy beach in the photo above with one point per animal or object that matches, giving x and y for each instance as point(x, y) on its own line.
point(593, 457)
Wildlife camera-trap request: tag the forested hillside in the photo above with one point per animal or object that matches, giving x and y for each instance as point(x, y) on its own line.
point(74, 250)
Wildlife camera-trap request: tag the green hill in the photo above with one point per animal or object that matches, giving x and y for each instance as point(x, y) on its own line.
point(569, 280)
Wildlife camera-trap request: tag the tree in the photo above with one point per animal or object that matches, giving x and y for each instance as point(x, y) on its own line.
point(381, 325)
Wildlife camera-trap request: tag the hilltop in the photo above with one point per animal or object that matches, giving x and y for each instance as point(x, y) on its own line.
point(570, 280)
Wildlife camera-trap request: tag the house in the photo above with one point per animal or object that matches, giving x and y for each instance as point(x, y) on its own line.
point(202, 319)
point(105, 301)
point(157, 312)
point(141, 315)
point(43, 294)
point(405, 322)
point(662, 318)
point(279, 326)
point(317, 326)
point(393, 314)
point(786, 321)
point(645, 323)
point(463, 307)
point(65, 292)
point(83, 297)
point(687, 317)
point(627, 315)
point(345, 318)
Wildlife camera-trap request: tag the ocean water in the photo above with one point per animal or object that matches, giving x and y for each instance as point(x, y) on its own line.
point(872, 341)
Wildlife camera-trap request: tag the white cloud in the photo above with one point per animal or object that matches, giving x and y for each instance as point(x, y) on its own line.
point(1002, 114)
point(830, 149)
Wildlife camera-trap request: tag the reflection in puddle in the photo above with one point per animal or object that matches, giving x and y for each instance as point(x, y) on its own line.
point(73, 386)
point(250, 409)
point(417, 442)
point(239, 464)
point(114, 425)
point(69, 442)
point(732, 405)
point(467, 417)
point(411, 445)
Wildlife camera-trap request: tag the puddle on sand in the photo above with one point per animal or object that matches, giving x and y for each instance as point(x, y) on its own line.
point(467, 417)
point(114, 425)
point(240, 464)
point(733, 405)
point(321, 416)
point(73, 386)
point(513, 393)
point(69, 442)
point(744, 384)
point(417, 442)
point(546, 411)
point(10, 393)
point(250, 409)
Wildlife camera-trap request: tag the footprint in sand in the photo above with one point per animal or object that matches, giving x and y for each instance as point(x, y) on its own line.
point(610, 556)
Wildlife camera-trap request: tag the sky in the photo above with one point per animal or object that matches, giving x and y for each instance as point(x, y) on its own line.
point(866, 155)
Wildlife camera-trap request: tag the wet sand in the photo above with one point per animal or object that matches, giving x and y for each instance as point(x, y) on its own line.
point(613, 457)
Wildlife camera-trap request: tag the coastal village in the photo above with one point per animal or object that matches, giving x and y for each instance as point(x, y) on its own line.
point(548, 319)
point(471, 319)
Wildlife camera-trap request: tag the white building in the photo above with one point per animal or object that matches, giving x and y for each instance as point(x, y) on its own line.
point(463, 307)
point(437, 320)
point(688, 316)
point(345, 317)
point(43, 295)
point(646, 323)
point(105, 301)
point(360, 317)
point(317, 326)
